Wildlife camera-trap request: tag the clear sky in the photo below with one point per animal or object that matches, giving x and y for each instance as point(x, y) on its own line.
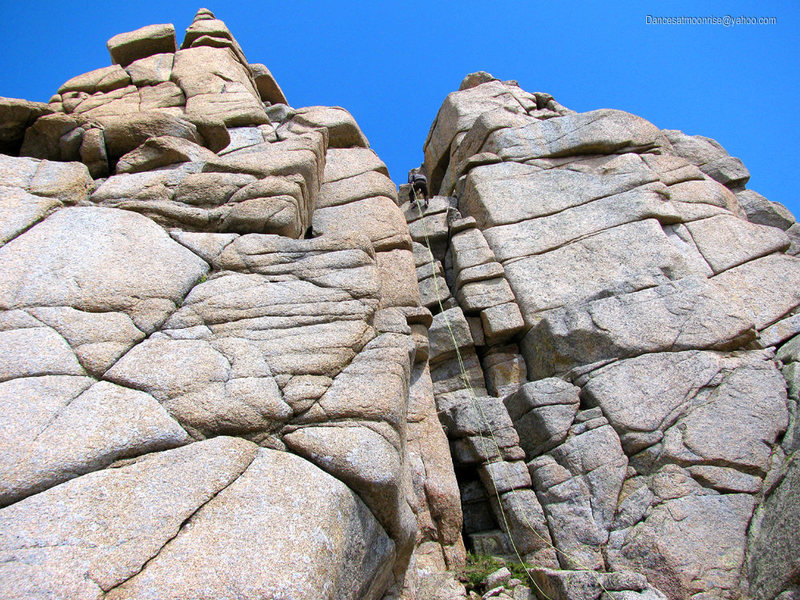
point(392, 63)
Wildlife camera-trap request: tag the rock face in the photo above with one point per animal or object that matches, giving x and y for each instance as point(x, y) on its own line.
point(199, 398)
point(653, 291)
point(236, 361)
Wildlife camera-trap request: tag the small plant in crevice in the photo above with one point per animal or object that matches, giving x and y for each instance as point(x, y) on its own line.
point(479, 566)
point(520, 571)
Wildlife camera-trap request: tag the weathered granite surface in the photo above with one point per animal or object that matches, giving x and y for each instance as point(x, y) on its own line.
point(237, 362)
point(654, 291)
point(214, 375)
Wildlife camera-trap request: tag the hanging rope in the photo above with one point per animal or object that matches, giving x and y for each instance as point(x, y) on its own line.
point(486, 425)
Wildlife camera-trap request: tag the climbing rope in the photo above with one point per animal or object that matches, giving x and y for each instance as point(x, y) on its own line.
point(486, 425)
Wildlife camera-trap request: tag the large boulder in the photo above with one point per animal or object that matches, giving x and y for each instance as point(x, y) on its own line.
point(335, 549)
point(162, 524)
point(268, 88)
point(126, 48)
point(125, 133)
point(15, 117)
point(343, 131)
point(97, 260)
point(105, 79)
point(217, 86)
point(31, 189)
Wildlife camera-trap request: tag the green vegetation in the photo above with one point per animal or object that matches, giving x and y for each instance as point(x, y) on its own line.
point(520, 571)
point(481, 565)
point(478, 567)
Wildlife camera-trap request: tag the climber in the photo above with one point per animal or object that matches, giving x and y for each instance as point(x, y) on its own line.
point(419, 184)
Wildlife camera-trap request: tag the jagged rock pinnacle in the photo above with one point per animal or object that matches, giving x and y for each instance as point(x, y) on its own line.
point(203, 14)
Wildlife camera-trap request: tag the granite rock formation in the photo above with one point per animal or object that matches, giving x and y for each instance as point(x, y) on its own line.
point(626, 296)
point(237, 362)
point(210, 383)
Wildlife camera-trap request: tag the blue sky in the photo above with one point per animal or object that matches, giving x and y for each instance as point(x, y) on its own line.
point(392, 63)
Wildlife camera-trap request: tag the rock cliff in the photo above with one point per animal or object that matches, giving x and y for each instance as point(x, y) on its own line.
point(237, 362)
